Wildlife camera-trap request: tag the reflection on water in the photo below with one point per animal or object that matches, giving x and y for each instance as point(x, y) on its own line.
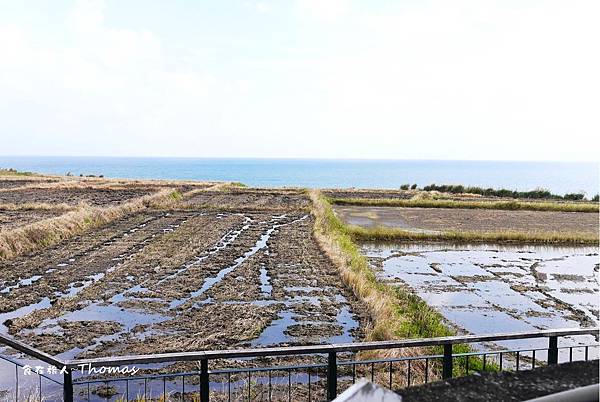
point(482, 289)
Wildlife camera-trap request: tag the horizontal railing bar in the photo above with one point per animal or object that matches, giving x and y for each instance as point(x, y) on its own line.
point(136, 378)
point(272, 368)
point(450, 340)
point(31, 351)
point(388, 360)
point(197, 373)
point(323, 349)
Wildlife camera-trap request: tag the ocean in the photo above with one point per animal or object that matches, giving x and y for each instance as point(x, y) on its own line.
point(558, 177)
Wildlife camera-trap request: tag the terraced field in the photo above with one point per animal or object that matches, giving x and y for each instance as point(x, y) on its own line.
point(220, 270)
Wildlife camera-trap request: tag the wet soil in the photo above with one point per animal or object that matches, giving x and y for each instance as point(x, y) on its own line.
point(13, 219)
point(484, 289)
point(250, 200)
point(6, 183)
point(483, 220)
point(73, 195)
point(507, 386)
point(182, 280)
point(370, 194)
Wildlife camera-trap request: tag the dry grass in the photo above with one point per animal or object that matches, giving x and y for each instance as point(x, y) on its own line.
point(51, 231)
point(40, 206)
point(513, 205)
point(64, 182)
point(396, 312)
point(392, 234)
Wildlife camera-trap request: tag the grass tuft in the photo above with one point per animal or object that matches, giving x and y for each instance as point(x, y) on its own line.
point(392, 234)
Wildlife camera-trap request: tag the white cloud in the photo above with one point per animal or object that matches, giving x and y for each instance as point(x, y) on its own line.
point(472, 80)
point(326, 10)
point(263, 7)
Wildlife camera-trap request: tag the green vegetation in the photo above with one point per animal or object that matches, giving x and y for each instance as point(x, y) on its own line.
point(397, 312)
point(512, 205)
point(393, 234)
point(537, 194)
point(14, 172)
point(596, 198)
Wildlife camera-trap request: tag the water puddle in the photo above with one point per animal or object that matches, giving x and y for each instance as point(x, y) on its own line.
point(223, 243)
point(485, 289)
point(260, 244)
point(265, 282)
point(21, 283)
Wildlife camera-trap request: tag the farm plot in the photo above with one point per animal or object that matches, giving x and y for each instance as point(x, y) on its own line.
point(249, 200)
point(490, 288)
point(6, 183)
point(182, 280)
point(72, 195)
point(479, 220)
point(370, 194)
point(13, 219)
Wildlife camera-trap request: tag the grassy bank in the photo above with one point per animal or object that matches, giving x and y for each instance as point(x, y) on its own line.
point(393, 234)
point(396, 312)
point(512, 205)
point(51, 231)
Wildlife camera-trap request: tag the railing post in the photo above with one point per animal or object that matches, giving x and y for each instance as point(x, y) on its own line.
point(331, 376)
point(447, 363)
point(68, 386)
point(204, 383)
point(553, 350)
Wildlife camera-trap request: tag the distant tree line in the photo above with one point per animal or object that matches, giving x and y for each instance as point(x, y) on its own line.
point(537, 194)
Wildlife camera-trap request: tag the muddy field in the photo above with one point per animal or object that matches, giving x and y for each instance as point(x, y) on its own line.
point(370, 194)
point(6, 183)
point(242, 200)
point(72, 195)
point(488, 288)
point(14, 219)
point(484, 220)
point(181, 280)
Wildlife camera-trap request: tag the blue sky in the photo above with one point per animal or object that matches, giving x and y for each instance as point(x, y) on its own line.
point(510, 80)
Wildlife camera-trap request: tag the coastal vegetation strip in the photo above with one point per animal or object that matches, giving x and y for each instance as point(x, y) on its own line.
point(511, 205)
point(538, 193)
point(14, 172)
point(396, 312)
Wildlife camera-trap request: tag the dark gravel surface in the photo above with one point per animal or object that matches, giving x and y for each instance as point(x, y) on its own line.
point(508, 386)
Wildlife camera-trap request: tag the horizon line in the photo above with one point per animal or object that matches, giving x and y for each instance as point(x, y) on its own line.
point(305, 158)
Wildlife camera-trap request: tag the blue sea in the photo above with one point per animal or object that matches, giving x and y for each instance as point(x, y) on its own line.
point(558, 177)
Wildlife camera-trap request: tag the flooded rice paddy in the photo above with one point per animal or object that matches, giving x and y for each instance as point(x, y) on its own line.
point(484, 288)
point(187, 280)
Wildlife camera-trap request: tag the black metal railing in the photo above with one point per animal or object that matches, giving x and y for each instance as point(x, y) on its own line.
point(36, 379)
point(333, 367)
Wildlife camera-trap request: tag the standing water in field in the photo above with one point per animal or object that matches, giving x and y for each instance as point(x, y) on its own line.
point(485, 289)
